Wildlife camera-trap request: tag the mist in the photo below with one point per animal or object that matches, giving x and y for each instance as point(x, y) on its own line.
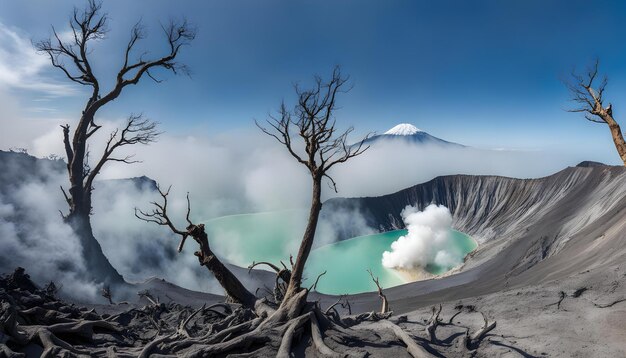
point(392, 166)
point(246, 172)
point(33, 234)
point(428, 241)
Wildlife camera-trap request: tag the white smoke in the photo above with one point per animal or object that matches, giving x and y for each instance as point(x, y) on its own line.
point(139, 250)
point(33, 235)
point(428, 241)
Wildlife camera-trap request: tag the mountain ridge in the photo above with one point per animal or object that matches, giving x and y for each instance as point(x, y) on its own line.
point(530, 231)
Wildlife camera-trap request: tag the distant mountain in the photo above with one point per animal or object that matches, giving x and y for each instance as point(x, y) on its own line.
point(17, 167)
point(408, 133)
point(590, 164)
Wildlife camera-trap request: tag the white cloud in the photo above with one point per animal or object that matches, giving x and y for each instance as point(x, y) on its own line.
point(249, 172)
point(21, 67)
point(23, 83)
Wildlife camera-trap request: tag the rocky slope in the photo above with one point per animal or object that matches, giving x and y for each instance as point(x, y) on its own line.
point(530, 230)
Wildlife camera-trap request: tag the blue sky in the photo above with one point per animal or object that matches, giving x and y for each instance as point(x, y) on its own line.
point(482, 73)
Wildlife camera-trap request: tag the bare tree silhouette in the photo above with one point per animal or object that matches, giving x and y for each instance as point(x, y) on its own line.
point(74, 58)
point(312, 122)
point(589, 95)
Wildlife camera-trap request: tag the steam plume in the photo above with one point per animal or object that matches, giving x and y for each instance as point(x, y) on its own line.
point(428, 242)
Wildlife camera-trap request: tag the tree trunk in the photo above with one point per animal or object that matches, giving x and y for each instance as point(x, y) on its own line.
point(616, 133)
point(235, 290)
point(76, 168)
point(618, 139)
point(307, 241)
point(98, 267)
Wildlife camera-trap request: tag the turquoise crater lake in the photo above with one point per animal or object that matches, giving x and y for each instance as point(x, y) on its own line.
point(272, 236)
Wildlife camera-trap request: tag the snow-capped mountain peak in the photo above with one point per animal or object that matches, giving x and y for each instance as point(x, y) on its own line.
point(403, 129)
point(406, 133)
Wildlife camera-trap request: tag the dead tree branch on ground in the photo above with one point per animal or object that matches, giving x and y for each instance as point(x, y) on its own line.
point(472, 342)
point(433, 323)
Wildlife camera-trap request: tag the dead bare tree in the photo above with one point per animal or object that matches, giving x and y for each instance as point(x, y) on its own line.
point(313, 120)
point(590, 97)
point(384, 309)
point(74, 59)
point(106, 293)
point(264, 326)
point(235, 290)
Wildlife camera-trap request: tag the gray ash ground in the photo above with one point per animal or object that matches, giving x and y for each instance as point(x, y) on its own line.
point(34, 322)
point(581, 316)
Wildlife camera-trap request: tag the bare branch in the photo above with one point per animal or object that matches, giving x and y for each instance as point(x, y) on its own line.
point(233, 287)
point(177, 34)
point(67, 198)
point(137, 33)
point(385, 304)
point(433, 323)
point(66, 142)
point(72, 58)
point(312, 119)
point(86, 26)
point(271, 265)
point(590, 118)
point(333, 184)
point(182, 328)
point(587, 95)
point(338, 302)
point(188, 210)
point(472, 342)
point(309, 133)
point(280, 132)
point(314, 286)
point(159, 215)
point(138, 130)
point(148, 296)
